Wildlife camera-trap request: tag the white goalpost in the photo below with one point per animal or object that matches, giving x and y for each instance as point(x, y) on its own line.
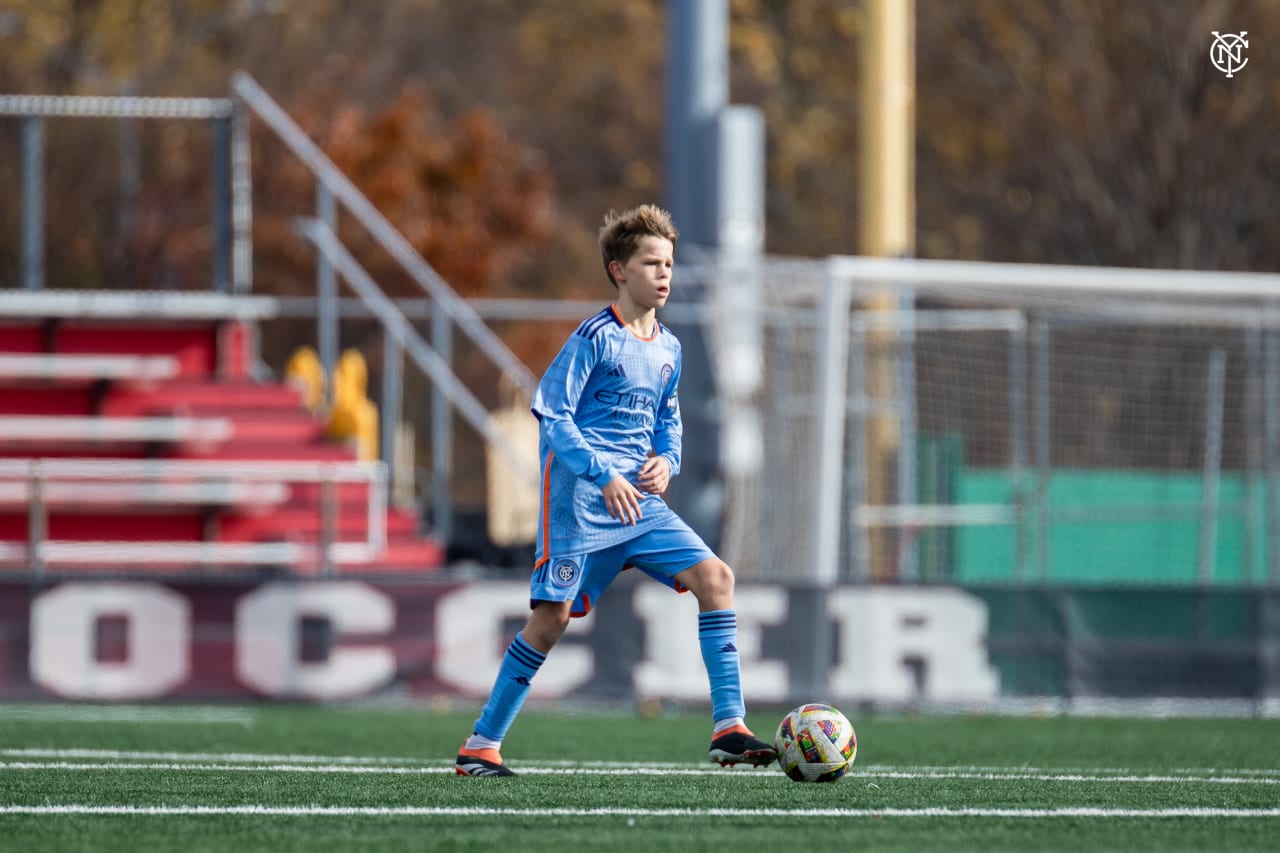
point(1008, 422)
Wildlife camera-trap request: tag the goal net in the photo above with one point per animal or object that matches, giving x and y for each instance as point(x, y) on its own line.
point(983, 423)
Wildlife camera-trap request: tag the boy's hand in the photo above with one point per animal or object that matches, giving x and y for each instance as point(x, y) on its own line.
point(622, 500)
point(655, 475)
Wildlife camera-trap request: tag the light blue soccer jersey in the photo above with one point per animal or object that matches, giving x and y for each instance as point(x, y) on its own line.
point(607, 399)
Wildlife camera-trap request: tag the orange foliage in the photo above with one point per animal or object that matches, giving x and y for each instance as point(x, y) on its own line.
point(468, 197)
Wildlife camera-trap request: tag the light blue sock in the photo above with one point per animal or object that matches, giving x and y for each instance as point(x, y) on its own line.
point(718, 638)
point(519, 665)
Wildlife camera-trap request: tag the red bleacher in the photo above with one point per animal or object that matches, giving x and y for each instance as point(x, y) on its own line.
point(218, 469)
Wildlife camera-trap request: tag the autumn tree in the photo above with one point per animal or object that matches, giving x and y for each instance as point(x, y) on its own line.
point(1097, 133)
point(1080, 131)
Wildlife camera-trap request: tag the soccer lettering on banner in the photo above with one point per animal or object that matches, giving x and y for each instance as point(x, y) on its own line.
point(471, 639)
point(668, 670)
point(158, 621)
point(885, 631)
point(63, 629)
point(267, 624)
point(893, 644)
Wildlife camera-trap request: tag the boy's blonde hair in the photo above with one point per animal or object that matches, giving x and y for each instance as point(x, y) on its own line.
point(621, 233)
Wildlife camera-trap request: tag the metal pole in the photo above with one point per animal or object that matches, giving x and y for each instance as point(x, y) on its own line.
point(222, 205)
point(887, 186)
point(442, 431)
point(858, 410)
point(828, 465)
point(37, 521)
point(32, 202)
point(326, 292)
point(392, 397)
point(1043, 439)
point(241, 200)
point(696, 90)
point(1211, 478)
point(130, 178)
point(828, 473)
point(908, 565)
point(1271, 448)
point(379, 487)
point(1254, 426)
point(736, 345)
point(1018, 454)
point(328, 524)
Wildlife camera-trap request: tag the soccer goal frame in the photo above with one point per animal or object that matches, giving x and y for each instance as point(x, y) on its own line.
point(867, 322)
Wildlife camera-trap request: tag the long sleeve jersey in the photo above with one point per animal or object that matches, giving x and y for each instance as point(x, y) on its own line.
point(606, 402)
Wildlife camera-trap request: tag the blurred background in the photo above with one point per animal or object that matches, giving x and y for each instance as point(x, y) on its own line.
point(1050, 455)
point(1062, 132)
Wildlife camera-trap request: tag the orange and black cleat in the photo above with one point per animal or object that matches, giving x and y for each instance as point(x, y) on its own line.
point(480, 762)
point(739, 746)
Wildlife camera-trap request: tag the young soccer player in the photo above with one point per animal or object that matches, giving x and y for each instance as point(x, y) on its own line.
point(609, 440)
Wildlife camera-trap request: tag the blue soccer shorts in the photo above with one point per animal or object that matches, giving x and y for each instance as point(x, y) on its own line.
point(582, 578)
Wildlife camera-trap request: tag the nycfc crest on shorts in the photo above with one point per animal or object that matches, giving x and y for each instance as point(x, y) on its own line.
point(565, 573)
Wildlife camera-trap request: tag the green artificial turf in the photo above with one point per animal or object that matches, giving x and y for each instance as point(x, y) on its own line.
point(617, 781)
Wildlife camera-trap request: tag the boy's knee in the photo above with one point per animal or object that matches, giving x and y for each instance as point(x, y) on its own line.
point(711, 581)
point(720, 576)
point(547, 624)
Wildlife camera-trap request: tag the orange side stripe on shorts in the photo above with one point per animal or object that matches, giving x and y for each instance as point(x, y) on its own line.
point(546, 511)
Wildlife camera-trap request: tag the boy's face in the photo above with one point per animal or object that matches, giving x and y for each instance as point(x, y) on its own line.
point(645, 278)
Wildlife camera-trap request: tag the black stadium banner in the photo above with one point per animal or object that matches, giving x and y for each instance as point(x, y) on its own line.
point(143, 639)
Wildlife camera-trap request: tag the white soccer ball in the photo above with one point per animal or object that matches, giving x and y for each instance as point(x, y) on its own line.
point(815, 743)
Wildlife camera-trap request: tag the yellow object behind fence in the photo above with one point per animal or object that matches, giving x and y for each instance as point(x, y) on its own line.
point(354, 416)
point(305, 373)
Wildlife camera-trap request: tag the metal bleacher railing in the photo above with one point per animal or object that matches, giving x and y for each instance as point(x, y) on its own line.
point(41, 484)
point(34, 110)
point(232, 264)
point(335, 191)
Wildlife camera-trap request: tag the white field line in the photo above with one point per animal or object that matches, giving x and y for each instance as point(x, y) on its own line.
point(533, 770)
point(358, 770)
point(472, 811)
point(200, 716)
point(241, 757)
point(374, 763)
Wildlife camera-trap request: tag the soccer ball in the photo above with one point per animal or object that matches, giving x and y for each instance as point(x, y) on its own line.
point(815, 743)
